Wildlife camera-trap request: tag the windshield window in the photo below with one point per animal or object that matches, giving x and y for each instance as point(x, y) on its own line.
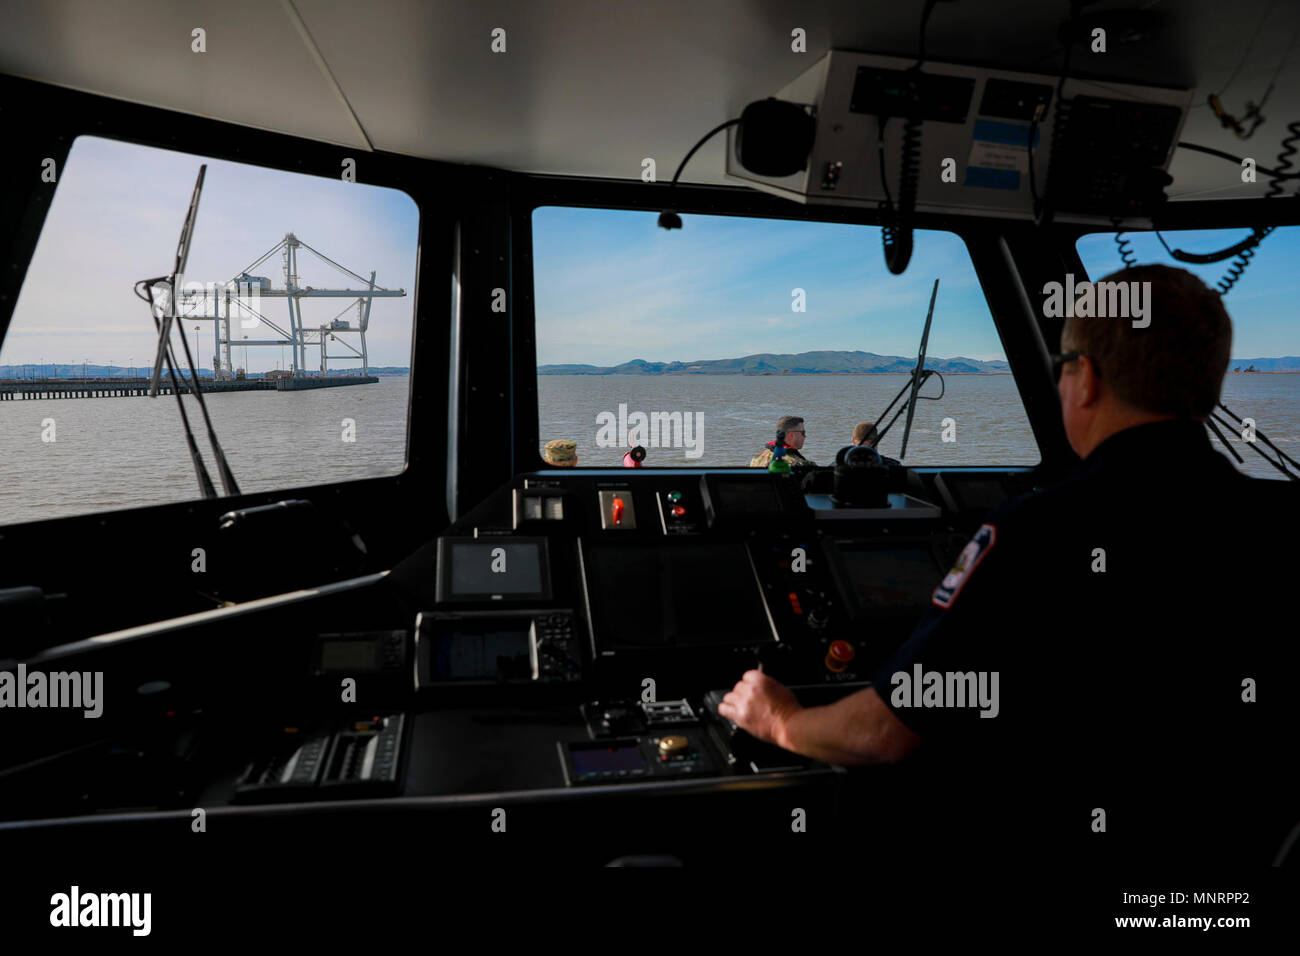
point(694, 343)
point(77, 434)
point(1263, 380)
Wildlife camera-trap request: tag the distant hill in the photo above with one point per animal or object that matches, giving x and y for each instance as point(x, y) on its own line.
point(803, 363)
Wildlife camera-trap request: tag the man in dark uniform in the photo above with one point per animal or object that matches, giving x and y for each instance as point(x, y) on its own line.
point(1107, 673)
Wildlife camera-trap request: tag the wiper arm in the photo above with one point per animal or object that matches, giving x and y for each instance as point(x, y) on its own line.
point(916, 374)
point(1277, 463)
point(166, 355)
point(920, 375)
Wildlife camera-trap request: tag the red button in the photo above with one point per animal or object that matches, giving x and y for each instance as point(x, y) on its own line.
point(838, 657)
point(678, 511)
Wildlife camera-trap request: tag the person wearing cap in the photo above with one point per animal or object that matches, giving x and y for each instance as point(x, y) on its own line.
point(1107, 673)
point(562, 453)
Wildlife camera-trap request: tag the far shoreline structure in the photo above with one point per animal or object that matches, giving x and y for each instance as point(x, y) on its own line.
point(829, 362)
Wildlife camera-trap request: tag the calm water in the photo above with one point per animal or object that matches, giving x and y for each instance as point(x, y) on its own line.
point(740, 414)
point(127, 452)
point(114, 453)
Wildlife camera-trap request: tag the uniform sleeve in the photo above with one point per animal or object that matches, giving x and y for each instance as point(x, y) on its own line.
point(953, 667)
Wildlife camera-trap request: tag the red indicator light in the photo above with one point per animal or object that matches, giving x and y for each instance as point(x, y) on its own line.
point(839, 655)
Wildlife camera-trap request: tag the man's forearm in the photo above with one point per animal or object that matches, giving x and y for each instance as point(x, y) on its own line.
point(854, 731)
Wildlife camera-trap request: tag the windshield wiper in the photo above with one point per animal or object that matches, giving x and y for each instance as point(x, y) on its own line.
point(920, 375)
point(1279, 462)
point(167, 356)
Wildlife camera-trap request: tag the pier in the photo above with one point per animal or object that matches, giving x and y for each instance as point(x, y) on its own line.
point(52, 388)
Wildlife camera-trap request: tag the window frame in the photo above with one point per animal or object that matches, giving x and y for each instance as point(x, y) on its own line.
point(984, 239)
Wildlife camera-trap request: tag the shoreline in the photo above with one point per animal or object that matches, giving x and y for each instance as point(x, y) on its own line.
point(1277, 371)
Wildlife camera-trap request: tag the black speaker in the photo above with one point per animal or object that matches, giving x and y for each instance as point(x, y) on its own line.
point(774, 138)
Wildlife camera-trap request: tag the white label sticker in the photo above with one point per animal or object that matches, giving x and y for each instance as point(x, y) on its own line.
point(999, 156)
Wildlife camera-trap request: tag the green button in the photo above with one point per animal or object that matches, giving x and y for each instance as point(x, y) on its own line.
point(674, 496)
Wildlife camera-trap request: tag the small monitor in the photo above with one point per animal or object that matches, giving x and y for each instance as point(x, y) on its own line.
point(474, 650)
point(880, 578)
point(606, 758)
point(504, 569)
point(697, 594)
point(745, 499)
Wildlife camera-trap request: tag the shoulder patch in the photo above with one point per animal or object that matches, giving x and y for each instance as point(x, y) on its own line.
point(969, 559)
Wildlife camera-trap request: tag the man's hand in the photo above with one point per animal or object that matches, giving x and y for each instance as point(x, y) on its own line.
point(760, 705)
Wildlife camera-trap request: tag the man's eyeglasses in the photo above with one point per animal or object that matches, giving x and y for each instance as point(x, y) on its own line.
point(1059, 361)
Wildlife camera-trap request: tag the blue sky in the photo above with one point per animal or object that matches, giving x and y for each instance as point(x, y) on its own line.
point(611, 286)
point(1262, 304)
point(116, 217)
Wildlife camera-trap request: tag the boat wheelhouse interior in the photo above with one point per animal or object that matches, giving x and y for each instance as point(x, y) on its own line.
point(244, 607)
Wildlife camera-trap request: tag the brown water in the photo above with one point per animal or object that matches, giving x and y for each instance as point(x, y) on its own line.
point(739, 414)
point(112, 453)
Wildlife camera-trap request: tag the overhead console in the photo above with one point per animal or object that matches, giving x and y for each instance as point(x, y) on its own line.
point(1101, 153)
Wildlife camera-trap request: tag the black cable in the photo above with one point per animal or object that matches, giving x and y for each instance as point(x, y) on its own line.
point(1238, 265)
point(669, 219)
point(896, 232)
point(1244, 250)
point(1033, 180)
point(1284, 158)
point(703, 139)
point(1205, 258)
point(1195, 147)
point(881, 123)
point(1253, 110)
point(1126, 254)
point(1249, 46)
point(1042, 209)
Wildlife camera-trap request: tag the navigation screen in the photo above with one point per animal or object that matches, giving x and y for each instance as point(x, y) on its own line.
point(589, 760)
point(656, 595)
point(481, 569)
point(347, 655)
point(471, 654)
point(878, 579)
point(747, 497)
